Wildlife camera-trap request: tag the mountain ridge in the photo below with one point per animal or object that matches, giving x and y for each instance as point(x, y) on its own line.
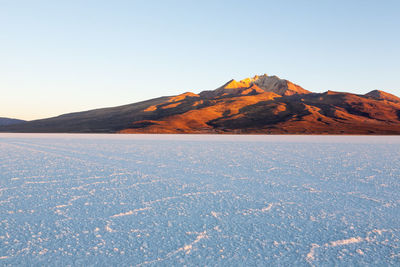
point(259, 105)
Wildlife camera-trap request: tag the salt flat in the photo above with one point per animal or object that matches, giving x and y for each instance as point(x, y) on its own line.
point(170, 200)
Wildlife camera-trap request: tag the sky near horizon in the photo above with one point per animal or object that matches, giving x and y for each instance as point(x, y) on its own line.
point(66, 56)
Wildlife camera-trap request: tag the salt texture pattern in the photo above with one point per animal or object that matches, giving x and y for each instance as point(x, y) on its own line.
point(171, 200)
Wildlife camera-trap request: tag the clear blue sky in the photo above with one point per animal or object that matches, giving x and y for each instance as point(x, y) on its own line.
point(64, 56)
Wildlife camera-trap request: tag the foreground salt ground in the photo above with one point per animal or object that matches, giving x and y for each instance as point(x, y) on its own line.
point(199, 200)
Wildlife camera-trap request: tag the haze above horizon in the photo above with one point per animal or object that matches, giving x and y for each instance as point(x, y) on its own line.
point(60, 57)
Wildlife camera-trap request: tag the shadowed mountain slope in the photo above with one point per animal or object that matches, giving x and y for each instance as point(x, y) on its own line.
point(9, 121)
point(105, 120)
point(262, 104)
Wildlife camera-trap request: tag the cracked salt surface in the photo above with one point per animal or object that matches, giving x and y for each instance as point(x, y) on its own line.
point(172, 200)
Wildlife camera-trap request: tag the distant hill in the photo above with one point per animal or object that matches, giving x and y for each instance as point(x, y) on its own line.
point(259, 105)
point(8, 121)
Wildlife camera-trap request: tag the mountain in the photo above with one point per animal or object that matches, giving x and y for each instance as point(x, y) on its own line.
point(8, 121)
point(260, 105)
